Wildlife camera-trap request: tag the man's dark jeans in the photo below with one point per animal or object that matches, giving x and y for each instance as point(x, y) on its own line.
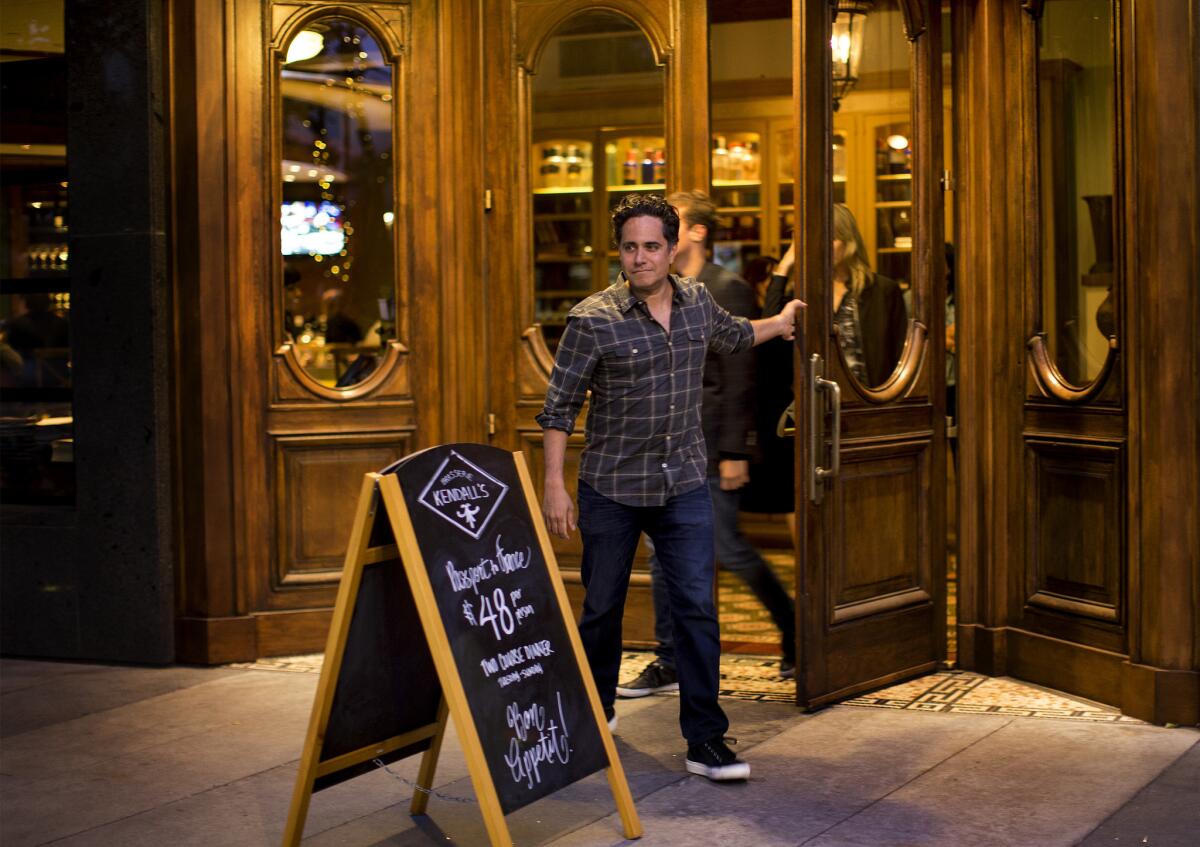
point(682, 532)
point(738, 556)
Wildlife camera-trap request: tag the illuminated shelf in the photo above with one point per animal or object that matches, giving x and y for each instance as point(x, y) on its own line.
point(738, 210)
point(641, 186)
point(736, 183)
point(892, 177)
point(570, 189)
point(895, 250)
point(893, 204)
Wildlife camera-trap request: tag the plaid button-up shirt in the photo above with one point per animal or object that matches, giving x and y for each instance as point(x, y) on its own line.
point(644, 443)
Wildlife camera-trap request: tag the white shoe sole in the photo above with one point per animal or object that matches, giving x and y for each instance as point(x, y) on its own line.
point(722, 773)
point(630, 693)
point(612, 723)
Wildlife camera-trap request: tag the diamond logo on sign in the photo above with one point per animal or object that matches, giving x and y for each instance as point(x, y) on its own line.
point(463, 494)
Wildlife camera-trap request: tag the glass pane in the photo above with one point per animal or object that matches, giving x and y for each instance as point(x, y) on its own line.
point(737, 191)
point(1076, 130)
point(872, 228)
point(597, 124)
point(339, 290)
point(36, 415)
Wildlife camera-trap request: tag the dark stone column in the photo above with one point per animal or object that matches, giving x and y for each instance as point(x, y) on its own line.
point(121, 320)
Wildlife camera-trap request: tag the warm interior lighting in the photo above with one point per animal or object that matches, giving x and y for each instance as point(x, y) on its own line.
point(305, 45)
point(845, 44)
point(897, 142)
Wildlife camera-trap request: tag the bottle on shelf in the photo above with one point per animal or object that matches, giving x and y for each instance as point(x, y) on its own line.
point(611, 166)
point(752, 167)
point(881, 157)
point(630, 175)
point(737, 157)
point(647, 167)
point(720, 159)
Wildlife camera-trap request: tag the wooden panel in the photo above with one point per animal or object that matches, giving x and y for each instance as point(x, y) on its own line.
point(291, 633)
point(317, 478)
point(1074, 519)
point(292, 387)
point(879, 556)
point(1055, 663)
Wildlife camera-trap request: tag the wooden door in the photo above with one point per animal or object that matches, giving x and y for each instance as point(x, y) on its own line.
point(327, 153)
point(871, 449)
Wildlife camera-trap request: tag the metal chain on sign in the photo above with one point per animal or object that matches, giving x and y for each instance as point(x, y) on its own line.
point(416, 787)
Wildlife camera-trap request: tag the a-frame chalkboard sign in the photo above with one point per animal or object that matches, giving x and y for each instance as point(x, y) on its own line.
point(451, 606)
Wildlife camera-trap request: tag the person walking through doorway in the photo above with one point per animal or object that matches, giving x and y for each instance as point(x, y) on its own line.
point(730, 433)
point(639, 347)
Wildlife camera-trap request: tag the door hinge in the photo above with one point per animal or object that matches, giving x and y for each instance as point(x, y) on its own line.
point(487, 199)
point(491, 423)
point(947, 180)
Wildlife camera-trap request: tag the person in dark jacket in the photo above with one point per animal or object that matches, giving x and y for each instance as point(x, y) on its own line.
point(727, 418)
point(869, 312)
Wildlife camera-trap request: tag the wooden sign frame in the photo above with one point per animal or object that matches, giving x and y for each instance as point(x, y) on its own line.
point(383, 490)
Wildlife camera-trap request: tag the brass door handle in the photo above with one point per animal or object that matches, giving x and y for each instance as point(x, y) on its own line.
point(817, 474)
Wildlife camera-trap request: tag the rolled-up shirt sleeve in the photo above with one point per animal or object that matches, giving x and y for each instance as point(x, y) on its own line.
point(730, 333)
point(573, 366)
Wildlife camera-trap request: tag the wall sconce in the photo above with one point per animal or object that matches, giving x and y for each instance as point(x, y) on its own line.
point(849, 22)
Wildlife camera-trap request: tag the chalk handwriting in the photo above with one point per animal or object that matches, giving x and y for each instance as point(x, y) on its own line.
point(527, 754)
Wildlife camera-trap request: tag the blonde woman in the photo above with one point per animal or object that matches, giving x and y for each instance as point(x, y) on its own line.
point(868, 307)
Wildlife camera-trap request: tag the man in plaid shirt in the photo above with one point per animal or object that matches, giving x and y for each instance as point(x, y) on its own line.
point(639, 347)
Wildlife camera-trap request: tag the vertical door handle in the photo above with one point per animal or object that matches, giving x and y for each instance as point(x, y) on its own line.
point(816, 419)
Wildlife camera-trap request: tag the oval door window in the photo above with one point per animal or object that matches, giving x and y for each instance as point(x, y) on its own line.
point(1076, 133)
point(872, 229)
point(337, 212)
point(597, 130)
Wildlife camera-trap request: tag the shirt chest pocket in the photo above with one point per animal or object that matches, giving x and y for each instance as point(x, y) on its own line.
point(622, 364)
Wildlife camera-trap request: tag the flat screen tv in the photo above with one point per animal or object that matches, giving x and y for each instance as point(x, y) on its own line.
point(309, 229)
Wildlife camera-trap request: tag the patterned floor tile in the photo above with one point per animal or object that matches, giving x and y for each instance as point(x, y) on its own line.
point(749, 677)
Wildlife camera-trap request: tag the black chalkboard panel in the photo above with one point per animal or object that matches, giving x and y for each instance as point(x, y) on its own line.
point(388, 683)
point(503, 620)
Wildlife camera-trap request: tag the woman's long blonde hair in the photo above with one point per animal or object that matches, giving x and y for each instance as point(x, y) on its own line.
point(854, 257)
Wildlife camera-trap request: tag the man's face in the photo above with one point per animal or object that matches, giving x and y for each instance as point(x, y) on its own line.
point(645, 255)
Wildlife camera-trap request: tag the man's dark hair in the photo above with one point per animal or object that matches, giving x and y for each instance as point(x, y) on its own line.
point(646, 205)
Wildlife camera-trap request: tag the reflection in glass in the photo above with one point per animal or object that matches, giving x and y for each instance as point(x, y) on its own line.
point(337, 215)
point(868, 308)
point(586, 157)
point(873, 226)
point(37, 461)
point(1076, 130)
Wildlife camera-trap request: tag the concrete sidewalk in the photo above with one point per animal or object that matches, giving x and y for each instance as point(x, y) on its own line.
point(103, 755)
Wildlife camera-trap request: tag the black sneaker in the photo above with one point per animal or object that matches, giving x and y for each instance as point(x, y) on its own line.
point(787, 669)
point(610, 715)
point(655, 678)
point(716, 761)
